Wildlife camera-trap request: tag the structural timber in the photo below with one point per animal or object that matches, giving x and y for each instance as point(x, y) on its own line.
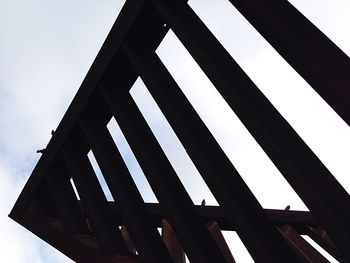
point(91, 229)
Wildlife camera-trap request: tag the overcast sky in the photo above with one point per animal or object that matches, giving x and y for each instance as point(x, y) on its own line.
point(47, 47)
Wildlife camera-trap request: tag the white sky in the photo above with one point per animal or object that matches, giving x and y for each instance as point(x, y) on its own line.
point(47, 47)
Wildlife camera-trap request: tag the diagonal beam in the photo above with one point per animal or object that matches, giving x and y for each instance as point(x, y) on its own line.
point(125, 21)
point(143, 231)
point(310, 52)
point(235, 198)
point(322, 239)
point(179, 208)
point(299, 165)
point(172, 243)
point(305, 251)
point(94, 202)
point(66, 202)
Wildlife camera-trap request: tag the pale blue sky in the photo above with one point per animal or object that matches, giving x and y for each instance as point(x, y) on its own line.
point(46, 49)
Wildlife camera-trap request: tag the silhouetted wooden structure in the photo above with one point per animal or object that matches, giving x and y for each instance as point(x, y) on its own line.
point(94, 230)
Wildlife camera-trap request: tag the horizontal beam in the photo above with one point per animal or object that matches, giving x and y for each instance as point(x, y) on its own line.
point(299, 220)
point(80, 248)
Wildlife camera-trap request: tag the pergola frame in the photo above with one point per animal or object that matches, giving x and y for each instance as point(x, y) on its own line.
point(87, 230)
